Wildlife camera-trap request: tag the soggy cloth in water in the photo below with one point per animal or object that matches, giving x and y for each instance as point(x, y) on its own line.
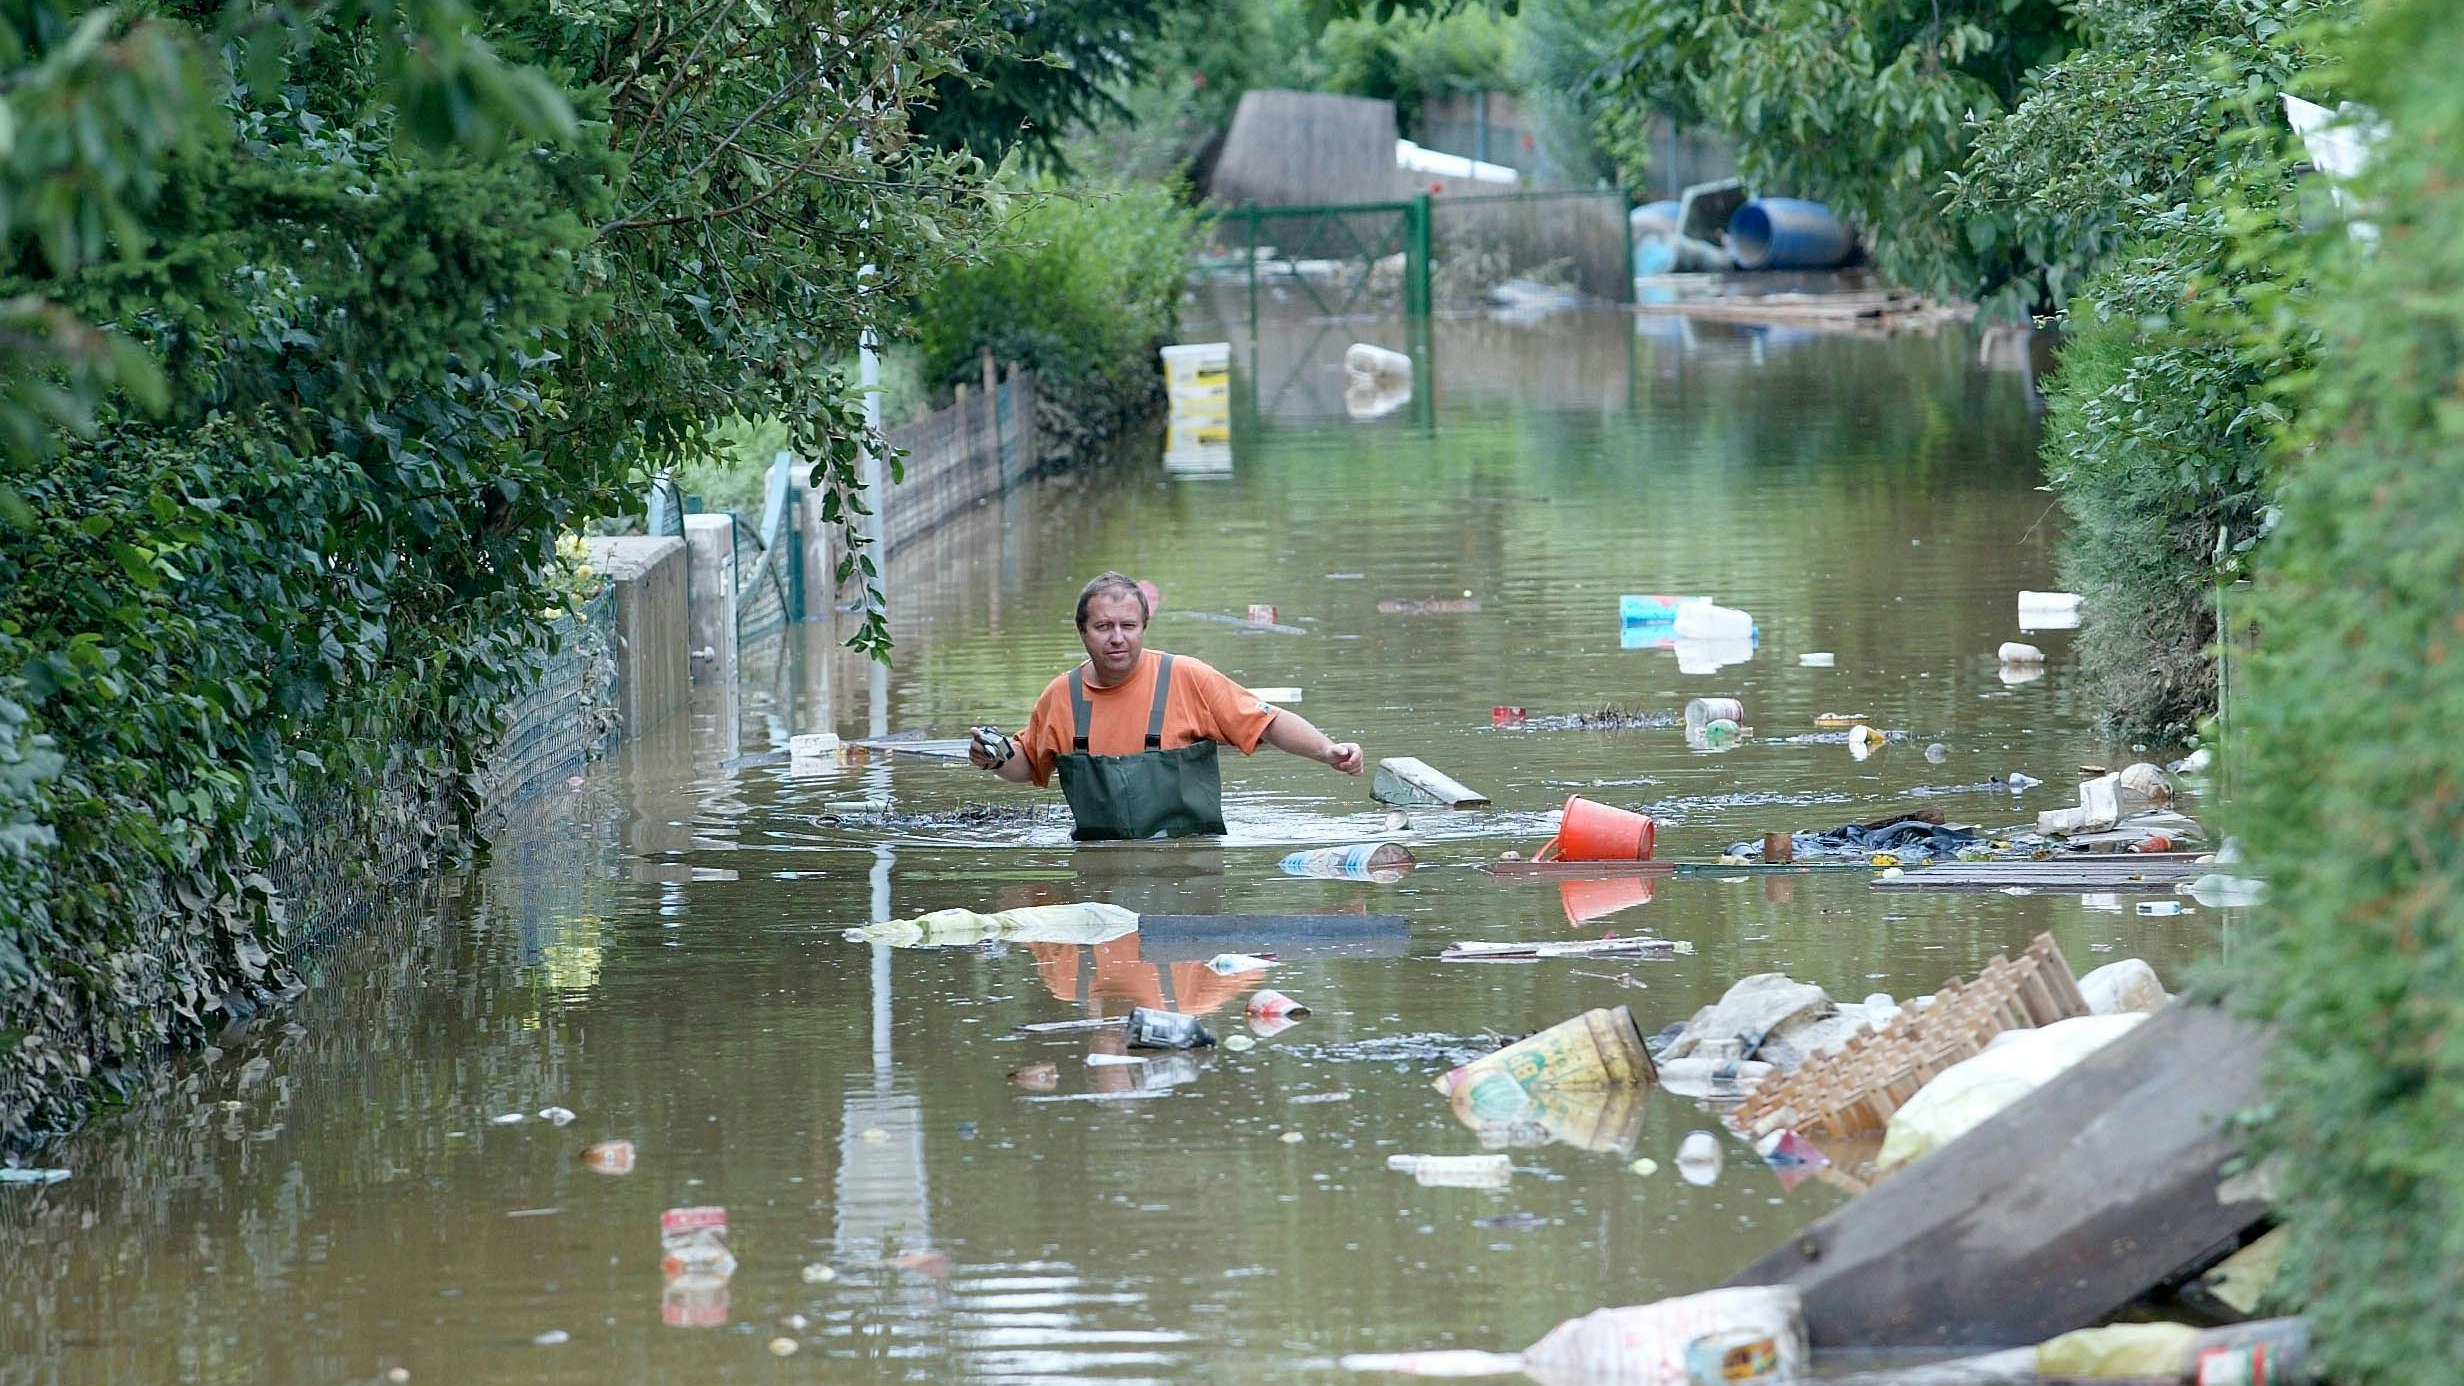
point(1911, 840)
point(1086, 923)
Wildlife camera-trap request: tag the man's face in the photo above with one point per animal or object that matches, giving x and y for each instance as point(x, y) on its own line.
point(1115, 635)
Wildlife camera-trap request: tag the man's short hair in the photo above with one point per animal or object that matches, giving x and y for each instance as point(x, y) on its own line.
point(1111, 584)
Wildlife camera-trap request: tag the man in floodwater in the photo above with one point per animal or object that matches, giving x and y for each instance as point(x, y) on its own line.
point(1133, 731)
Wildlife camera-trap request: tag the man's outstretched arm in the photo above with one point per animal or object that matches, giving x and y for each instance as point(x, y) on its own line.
point(1292, 733)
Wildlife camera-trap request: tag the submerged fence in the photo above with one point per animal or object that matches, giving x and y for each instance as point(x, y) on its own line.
point(755, 577)
point(1427, 253)
point(979, 447)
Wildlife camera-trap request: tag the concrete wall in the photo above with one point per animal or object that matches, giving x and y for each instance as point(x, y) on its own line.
point(1508, 135)
point(653, 677)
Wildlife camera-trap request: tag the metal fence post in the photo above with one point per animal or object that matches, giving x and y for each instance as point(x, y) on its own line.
point(1416, 293)
point(1253, 269)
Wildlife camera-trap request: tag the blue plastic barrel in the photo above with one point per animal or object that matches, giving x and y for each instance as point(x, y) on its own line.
point(1788, 233)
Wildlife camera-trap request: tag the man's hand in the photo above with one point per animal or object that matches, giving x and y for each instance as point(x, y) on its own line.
point(990, 748)
point(1345, 756)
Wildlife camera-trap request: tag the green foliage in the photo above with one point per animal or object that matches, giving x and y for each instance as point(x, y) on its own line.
point(396, 333)
point(2352, 807)
point(1084, 289)
point(2121, 132)
point(1867, 105)
point(1564, 64)
point(1063, 66)
point(2162, 413)
point(1410, 57)
point(2158, 445)
point(1205, 57)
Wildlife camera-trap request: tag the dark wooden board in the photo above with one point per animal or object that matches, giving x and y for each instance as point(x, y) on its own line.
point(1578, 870)
point(1198, 937)
point(2051, 1215)
point(2160, 871)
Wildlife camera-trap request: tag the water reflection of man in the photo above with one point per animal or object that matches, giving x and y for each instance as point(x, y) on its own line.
point(1133, 732)
point(1111, 978)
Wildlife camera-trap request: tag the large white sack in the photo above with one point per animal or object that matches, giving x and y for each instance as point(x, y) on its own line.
point(2016, 1063)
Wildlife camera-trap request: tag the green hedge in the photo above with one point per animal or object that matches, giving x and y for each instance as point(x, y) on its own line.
point(1082, 285)
point(2348, 733)
point(318, 325)
point(2157, 445)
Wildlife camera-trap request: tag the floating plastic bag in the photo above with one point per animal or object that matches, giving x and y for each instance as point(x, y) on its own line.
point(2121, 1349)
point(1646, 1345)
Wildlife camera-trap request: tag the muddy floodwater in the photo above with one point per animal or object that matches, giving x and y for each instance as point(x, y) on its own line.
point(360, 1182)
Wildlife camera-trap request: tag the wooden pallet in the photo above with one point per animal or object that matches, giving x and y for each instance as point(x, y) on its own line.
point(1856, 1088)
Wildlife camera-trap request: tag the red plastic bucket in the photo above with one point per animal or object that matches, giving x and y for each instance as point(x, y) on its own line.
point(1593, 831)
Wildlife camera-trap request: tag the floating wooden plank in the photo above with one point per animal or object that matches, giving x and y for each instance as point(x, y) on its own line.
point(1072, 1027)
point(1405, 780)
point(2051, 1215)
point(2158, 871)
point(1198, 937)
point(1855, 1088)
point(935, 748)
point(1564, 948)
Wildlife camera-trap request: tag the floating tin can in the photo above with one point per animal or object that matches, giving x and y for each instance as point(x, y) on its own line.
point(2259, 1364)
point(1154, 1029)
point(1739, 1355)
point(1269, 1004)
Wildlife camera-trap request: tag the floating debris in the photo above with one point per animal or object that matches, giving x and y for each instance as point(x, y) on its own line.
point(1606, 717)
point(1431, 1046)
point(1571, 948)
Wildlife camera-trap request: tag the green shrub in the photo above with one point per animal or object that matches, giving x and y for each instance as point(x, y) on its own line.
point(309, 350)
point(2158, 451)
point(1412, 56)
point(1083, 286)
point(2347, 729)
point(2129, 162)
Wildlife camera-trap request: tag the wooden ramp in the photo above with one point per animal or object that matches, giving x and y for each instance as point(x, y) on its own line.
point(2051, 1215)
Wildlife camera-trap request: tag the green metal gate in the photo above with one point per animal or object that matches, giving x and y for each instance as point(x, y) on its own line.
point(1331, 254)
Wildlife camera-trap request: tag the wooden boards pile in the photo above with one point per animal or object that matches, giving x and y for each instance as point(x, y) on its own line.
point(1855, 1088)
point(2055, 1212)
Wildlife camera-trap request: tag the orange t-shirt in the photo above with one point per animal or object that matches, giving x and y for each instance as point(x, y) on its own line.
point(1203, 706)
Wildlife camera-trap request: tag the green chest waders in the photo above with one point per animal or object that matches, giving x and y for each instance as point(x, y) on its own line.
point(1156, 793)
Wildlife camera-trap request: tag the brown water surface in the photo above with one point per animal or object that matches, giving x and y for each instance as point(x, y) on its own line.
point(330, 1194)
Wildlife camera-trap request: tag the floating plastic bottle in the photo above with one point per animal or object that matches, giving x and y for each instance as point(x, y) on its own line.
point(1454, 1171)
point(1362, 861)
point(1702, 712)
